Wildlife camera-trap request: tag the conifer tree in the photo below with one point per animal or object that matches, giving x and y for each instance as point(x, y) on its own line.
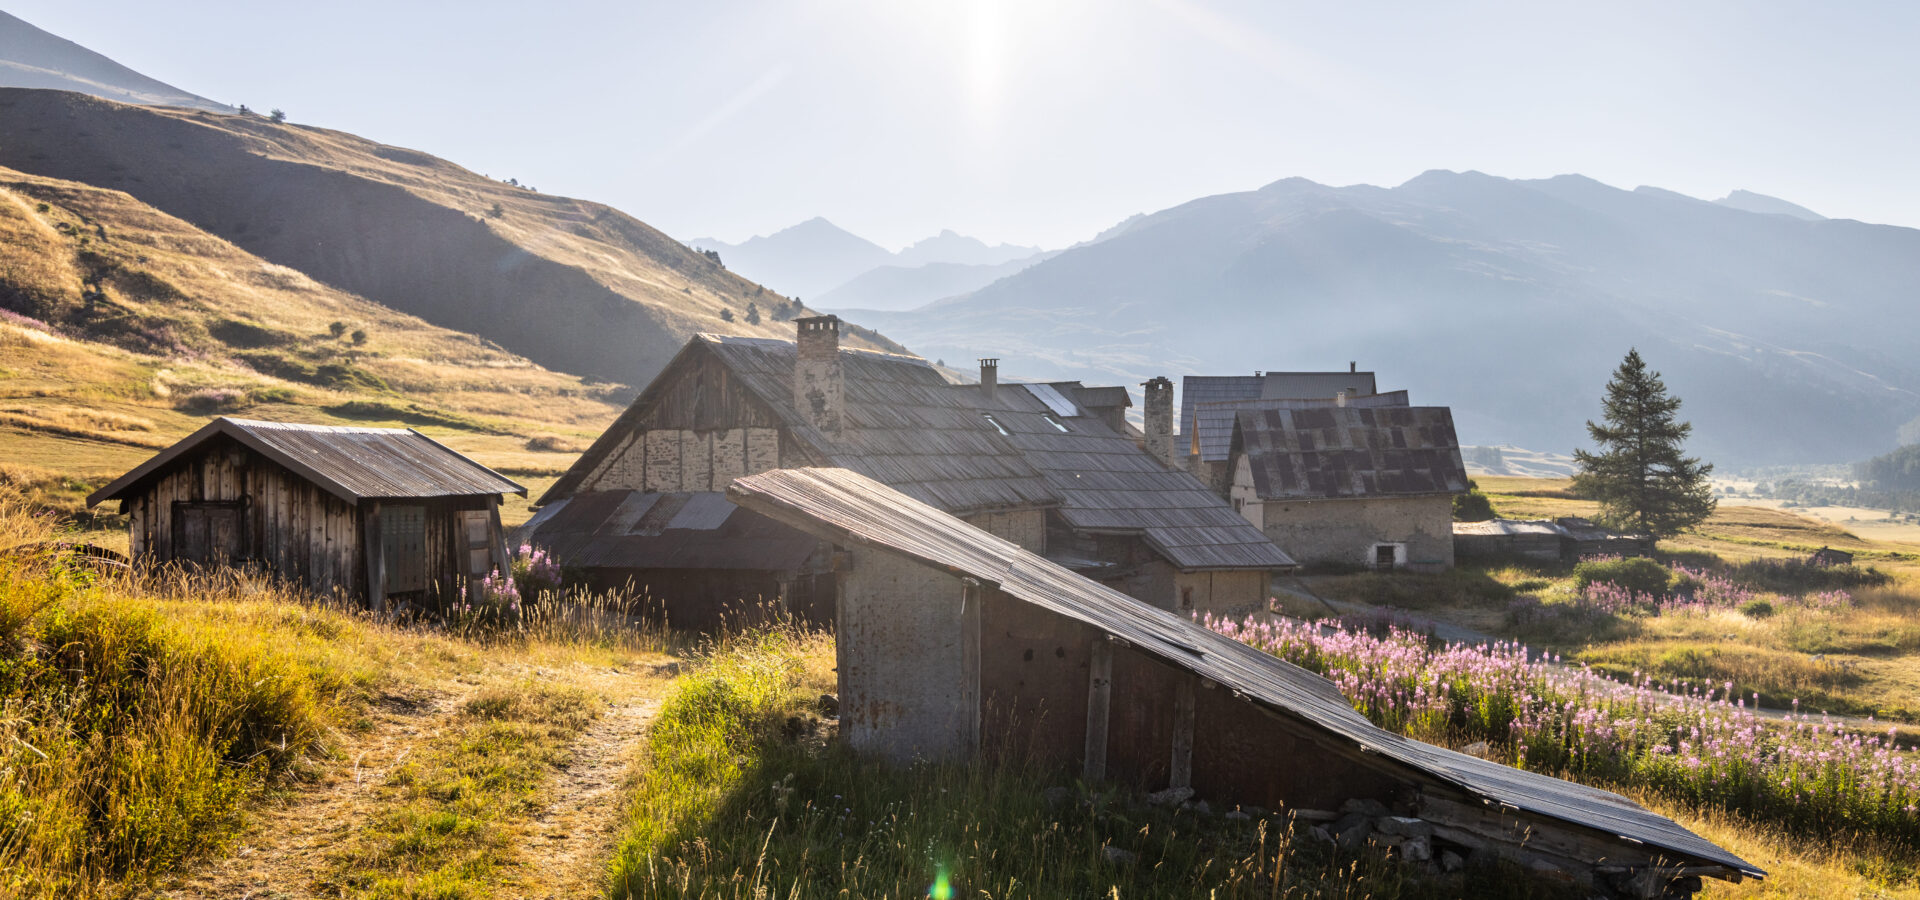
point(1639, 475)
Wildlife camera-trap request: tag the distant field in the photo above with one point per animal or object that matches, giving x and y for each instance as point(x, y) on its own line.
point(1862, 656)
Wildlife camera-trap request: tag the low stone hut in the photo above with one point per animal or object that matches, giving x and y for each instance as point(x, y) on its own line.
point(386, 516)
point(951, 640)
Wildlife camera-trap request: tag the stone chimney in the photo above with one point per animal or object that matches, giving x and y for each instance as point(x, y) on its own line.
point(819, 385)
point(1158, 412)
point(1352, 367)
point(989, 378)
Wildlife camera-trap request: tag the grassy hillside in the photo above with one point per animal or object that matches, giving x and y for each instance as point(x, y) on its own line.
point(131, 327)
point(207, 736)
point(573, 285)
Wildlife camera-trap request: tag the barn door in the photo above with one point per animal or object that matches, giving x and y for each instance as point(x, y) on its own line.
point(476, 548)
point(208, 532)
point(403, 548)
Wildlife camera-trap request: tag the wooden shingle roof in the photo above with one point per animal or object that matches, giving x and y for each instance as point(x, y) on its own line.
point(847, 508)
point(1349, 452)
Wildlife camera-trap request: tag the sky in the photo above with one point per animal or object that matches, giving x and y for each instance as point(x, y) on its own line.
point(1045, 121)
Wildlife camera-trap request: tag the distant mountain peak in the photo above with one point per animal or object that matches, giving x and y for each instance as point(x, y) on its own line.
point(1761, 203)
point(34, 58)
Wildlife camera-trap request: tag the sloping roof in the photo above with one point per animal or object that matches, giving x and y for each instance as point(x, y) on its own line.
point(644, 530)
point(1195, 389)
point(1507, 527)
point(1348, 452)
point(1208, 388)
point(353, 464)
point(1213, 419)
point(908, 427)
point(905, 425)
point(1106, 483)
point(844, 507)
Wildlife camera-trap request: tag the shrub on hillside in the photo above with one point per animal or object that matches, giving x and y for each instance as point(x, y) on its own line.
point(208, 401)
point(1635, 573)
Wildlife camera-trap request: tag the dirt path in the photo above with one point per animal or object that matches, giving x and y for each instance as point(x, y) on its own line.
point(573, 835)
point(290, 836)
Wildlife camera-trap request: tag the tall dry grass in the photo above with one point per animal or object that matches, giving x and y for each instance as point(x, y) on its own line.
point(138, 717)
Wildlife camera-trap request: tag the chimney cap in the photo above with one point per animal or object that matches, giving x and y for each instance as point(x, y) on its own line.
point(815, 323)
point(989, 362)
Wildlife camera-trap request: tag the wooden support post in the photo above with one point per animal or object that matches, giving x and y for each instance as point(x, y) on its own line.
point(1099, 695)
point(972, 598)
point(376, 561)
point(1180, 768)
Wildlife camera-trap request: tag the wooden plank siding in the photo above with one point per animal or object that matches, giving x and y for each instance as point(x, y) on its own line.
point(294, 528)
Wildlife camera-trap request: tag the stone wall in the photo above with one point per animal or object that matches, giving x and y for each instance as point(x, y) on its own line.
point(909, 659)
point(1348, 531)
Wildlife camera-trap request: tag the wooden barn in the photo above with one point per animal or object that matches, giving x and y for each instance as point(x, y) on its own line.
point(952, 642)
point(387, 517)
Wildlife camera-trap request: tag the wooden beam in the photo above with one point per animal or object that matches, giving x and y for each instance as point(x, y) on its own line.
point(376, 560)
point(1180, 767)
point(1099, 694)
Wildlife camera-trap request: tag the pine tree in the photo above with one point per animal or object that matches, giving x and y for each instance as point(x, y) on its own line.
point(1639, 476)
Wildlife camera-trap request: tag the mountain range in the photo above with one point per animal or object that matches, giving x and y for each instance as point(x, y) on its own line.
point(836, 269)
point(1785, 333)
point(33, 58)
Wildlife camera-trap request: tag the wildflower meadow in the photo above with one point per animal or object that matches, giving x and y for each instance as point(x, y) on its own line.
point(1806, 773)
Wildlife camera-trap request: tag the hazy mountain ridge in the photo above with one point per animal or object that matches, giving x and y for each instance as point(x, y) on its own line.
point(816, 258)
point(1510, 300)
point(573, 285)
point(32, 58)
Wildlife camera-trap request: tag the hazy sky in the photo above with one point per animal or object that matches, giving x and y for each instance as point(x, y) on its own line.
point(1043, 122)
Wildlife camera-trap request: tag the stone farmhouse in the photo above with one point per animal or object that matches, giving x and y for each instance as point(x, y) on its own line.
point(1050, 467)
point(1327, 466)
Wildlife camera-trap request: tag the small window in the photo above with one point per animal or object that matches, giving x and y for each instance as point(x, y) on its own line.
point(997, 426)
point(1056, 423)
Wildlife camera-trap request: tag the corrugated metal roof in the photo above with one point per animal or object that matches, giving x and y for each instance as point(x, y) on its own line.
point(705, 531)
point(353, 464)
point(1213, 420)
point(1315, 454)
point(848, 508)
point(1102, 397)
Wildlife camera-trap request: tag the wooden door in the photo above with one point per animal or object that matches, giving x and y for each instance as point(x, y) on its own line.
point(403, 548)
point(208, 533)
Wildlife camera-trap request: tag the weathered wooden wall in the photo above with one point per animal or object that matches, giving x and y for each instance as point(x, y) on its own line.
point(293, 528)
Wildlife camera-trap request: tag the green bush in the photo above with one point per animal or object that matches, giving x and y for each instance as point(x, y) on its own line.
point(1635, 573)
point(1756, 609)
point(1472, 506)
